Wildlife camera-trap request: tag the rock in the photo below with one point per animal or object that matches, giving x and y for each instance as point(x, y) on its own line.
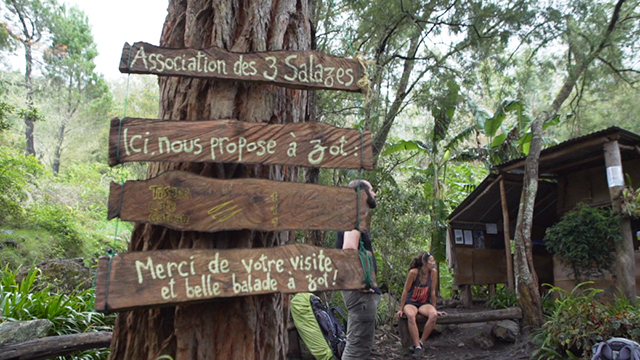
point(64, 275)
point(15, 332)
point(484, 339)
point(9, 243)
point(506, 330)
point(7, 232)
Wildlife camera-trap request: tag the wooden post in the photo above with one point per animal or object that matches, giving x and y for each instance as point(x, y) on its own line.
point(507, 238)
point(625, 259)
point(466, 296)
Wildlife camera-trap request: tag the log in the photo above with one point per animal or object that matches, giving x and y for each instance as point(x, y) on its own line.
point(463, 318)
point(52, 346)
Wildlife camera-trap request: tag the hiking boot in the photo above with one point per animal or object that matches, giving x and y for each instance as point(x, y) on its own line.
point(415, 350)
point(417, 354)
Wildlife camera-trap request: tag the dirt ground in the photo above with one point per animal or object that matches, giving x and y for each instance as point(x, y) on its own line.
point(451, 342)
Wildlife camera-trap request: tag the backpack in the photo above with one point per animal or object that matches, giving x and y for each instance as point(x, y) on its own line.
point(616, 349)
point(332, 328)
point(318, 326)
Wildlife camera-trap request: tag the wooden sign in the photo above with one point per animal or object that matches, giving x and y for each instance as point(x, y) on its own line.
point(295, 69)
point(310, 144)
point(166, 277)
point(185, 201)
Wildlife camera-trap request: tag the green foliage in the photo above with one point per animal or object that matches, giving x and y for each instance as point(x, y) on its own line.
point(70, 314)
point(585, 240)
point(578, 322)
point(17, 171)
point(502, 299)
point(31, 114)
point(5, 111)
point(61, 220)
point(631, 201)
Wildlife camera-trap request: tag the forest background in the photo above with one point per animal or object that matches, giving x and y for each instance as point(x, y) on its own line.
point(455, 87)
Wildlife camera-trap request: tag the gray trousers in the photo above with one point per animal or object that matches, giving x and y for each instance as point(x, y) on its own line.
point(361, 325)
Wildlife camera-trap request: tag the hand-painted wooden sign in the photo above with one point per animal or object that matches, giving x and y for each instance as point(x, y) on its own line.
point(299, 69)
point(302, 144)
point(185, 201)
point(166, 277)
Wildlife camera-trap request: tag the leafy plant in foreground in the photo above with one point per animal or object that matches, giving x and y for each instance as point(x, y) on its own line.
point(70, 314)
point(579, 321)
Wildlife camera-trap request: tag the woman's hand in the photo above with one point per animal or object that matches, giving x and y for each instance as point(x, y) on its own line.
point(400, 313)
point(441, 313)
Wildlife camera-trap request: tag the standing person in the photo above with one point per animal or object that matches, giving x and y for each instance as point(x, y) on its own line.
point(361, 304)
point(419, 296)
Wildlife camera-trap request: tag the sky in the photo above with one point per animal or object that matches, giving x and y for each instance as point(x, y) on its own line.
point(113, 23)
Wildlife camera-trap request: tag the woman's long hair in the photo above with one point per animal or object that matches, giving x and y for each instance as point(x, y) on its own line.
point(418, 261)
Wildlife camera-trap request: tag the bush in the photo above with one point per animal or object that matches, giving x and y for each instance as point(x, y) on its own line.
point(60, 221)
point(70, 314)
point(502, 299)
point(578, 322)
point(584, 239)
point(16, 173)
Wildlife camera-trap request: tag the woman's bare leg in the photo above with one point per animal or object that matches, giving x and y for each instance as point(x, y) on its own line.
point(411, 311)
point(430, 312)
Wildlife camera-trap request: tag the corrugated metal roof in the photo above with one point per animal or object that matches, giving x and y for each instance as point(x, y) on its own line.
point(483, 205)
point(588, 152)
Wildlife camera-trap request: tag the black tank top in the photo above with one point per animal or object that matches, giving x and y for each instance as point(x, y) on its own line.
point(419, 292)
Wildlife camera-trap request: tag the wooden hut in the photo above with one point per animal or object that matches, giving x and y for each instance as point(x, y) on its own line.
point(482, 226)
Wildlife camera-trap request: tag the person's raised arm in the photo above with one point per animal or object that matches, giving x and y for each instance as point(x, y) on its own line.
point(411, 277)
point(351, 240)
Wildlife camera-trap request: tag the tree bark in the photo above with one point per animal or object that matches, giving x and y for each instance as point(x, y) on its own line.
point(251, 327)
point(55, 166)
point(625, 263)
point(527, 280)
point(52, 346)
point(28, 133)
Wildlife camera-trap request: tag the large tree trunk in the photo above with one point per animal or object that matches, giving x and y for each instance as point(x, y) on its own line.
point(251, 327)
point(28, 133)
point(527, 280)
point(55, 166)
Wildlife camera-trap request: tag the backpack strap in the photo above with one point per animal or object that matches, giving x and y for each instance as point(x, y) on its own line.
point(602, 351)
point(629, 352)
point(342, 318)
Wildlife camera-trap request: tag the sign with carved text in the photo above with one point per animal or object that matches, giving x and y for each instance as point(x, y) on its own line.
point(310, 144)
point(166, 277)
point(294, 69)
point(185, 201)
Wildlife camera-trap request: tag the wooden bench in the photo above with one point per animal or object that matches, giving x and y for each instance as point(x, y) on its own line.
point(463, 318)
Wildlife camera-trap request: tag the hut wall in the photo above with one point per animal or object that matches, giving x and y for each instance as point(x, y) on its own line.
point(566, 281)
point(590, 186)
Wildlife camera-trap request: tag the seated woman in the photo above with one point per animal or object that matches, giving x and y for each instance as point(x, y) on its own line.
point(419, 296)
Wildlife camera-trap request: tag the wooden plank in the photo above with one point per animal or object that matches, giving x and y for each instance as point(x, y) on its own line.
point(295, 69)
point(311, 144)
point(185, 201)
point(489, 267)
point(506, 229)
point(53, 346)
point(464, 258)
point(167, 277)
